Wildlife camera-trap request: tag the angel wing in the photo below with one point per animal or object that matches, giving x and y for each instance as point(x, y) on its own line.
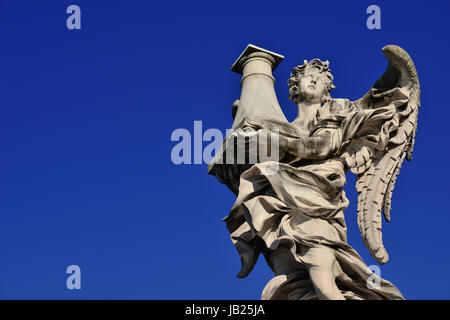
point(377, 167)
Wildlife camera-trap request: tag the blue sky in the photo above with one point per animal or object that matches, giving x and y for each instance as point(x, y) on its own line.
point(86, 176)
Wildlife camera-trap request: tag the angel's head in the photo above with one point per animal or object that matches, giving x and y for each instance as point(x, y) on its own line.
point(311, 82)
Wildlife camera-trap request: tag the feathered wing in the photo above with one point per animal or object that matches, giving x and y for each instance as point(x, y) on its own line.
point(378, 167)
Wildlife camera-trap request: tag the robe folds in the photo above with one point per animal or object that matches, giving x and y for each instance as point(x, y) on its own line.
point(298, 209)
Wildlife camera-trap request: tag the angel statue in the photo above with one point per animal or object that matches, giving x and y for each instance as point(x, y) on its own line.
point(294, 215)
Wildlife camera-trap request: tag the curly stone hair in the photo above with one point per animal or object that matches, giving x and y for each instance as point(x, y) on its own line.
point(299, 71)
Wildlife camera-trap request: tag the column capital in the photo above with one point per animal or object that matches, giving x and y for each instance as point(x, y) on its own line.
point(252, 51)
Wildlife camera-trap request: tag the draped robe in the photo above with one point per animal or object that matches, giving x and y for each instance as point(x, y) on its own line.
point(300, 207)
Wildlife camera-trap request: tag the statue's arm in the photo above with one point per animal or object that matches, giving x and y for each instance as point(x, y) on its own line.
point(322, 145)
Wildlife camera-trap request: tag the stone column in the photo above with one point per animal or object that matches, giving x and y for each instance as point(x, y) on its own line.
point(258, 98)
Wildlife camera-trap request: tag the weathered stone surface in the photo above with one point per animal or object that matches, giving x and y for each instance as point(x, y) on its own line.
point(291, 208)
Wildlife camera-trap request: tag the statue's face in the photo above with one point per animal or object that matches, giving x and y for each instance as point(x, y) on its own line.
point(313, 86)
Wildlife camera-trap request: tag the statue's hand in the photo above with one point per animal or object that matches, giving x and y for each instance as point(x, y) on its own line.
point(358, 155)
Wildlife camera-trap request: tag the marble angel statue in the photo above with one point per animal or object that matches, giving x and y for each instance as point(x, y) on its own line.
point(294, 216)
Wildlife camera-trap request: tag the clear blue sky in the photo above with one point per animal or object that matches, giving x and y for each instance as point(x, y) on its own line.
point(86, 117)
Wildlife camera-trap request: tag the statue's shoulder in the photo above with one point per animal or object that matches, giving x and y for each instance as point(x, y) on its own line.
point(335, 107)
point(340, 106)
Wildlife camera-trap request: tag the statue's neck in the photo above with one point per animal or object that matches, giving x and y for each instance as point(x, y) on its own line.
point(306, 114)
